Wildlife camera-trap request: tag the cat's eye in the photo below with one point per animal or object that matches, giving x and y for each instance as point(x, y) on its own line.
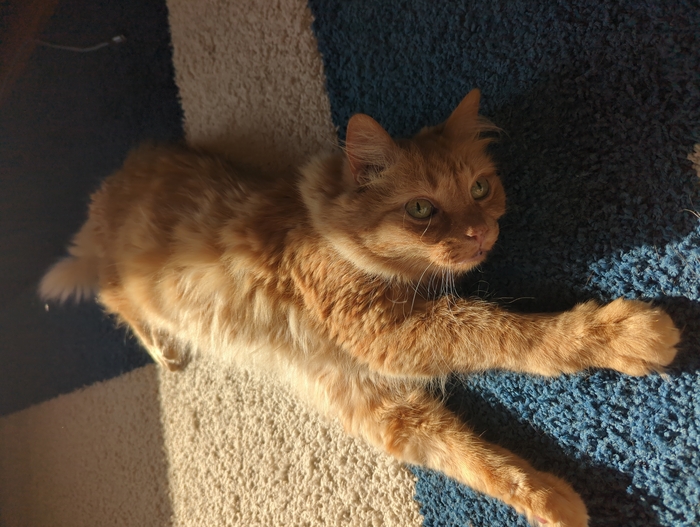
point(420, 208)
point(480, 188)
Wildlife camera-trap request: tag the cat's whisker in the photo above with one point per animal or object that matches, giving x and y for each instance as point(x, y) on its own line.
point(403, 306)
point(452, 295)
point(418, 284)
point(430, 285)
point(395, 301)
point(448, 289)
point(426, 228)
point(437, 357)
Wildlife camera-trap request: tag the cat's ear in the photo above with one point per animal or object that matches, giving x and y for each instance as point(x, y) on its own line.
point(369, 148)
point(464, 122)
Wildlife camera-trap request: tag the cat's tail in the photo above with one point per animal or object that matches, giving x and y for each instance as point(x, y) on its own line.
point(75, 276)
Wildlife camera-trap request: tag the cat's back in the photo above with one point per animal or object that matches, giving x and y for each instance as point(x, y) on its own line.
point(158, 187)
point(180, 210)
point(186, 241)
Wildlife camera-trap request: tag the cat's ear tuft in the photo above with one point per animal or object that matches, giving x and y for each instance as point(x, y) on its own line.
point(464, 122)
point(369, 148)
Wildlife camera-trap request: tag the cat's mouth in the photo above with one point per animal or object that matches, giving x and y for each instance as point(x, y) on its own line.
point(461, 257)
point(470, 261)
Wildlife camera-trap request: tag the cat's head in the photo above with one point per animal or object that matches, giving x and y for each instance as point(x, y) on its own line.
point(407, 208)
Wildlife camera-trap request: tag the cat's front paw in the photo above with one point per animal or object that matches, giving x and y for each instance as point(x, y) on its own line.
point(633, 337)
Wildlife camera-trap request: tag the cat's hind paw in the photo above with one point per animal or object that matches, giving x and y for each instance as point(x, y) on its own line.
point(556, 504)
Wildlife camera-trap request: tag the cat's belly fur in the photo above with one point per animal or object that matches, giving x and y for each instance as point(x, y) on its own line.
point(319, 372)
point(264, 332)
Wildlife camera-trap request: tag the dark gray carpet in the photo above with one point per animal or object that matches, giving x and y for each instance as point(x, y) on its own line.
point(68, 122)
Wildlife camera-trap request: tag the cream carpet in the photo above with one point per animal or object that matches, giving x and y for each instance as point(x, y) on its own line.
point(210, 446)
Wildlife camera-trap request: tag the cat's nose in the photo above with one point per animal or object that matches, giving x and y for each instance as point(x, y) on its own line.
point(477, 233)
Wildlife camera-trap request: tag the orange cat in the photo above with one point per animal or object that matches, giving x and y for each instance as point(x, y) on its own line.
point(338, 279)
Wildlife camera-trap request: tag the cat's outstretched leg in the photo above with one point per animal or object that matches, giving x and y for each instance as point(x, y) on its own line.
point(416, 428)
point(461, 335)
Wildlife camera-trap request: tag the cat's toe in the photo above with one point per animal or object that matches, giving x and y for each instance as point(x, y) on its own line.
point(666, 339)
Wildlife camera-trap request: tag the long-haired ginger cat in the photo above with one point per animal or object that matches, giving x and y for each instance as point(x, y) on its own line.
point(338, 279)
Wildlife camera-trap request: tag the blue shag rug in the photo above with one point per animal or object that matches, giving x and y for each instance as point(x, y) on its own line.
point(600, 107)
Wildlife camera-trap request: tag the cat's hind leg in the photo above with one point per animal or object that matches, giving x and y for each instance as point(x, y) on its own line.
point(415, 427)
point(160, 345)
point(163, 348)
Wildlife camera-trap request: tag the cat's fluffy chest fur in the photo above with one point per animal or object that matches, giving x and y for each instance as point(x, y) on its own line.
point(338, 279)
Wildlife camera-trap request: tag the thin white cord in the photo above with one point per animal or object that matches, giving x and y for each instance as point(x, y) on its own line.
point(3, 82)
point(114, 40)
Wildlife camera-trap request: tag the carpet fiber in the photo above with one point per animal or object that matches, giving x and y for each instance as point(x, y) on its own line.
point(600, 107)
